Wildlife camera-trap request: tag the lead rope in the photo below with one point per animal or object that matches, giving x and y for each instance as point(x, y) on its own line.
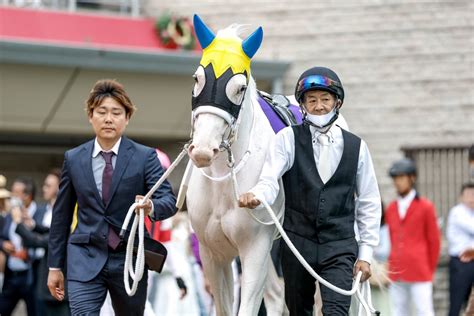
point(139, 221)
point(356, 289)
point(366, 304)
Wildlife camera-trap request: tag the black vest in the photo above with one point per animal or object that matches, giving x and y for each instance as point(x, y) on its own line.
point(314, 210)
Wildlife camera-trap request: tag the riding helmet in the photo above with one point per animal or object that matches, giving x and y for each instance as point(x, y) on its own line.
point(403, 166)
point(319, 78)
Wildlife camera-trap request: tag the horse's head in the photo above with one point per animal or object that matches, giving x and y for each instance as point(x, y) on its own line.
point(220, 87)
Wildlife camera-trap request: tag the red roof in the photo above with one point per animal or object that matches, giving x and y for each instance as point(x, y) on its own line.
point(78, 29)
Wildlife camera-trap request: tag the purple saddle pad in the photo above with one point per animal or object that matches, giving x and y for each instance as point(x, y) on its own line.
point(275, 120)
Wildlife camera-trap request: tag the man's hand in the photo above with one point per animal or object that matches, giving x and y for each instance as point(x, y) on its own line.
point(17, 215)
point(146, 207)
point(56, 284)
point(364, 267)
point(248, 200)
point(8, 247)
point(467, 255)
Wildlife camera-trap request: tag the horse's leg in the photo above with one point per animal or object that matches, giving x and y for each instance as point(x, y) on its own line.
point(221, 280)
point(274, 294)
point(255, 257)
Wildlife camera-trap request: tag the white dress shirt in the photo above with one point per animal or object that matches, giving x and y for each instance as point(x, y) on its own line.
point(403, 203)
point(280, 159)
point(460, 229)
point(48, 216)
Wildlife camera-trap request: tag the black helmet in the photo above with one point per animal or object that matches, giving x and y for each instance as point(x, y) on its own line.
point(403, 166)
point(319, 78)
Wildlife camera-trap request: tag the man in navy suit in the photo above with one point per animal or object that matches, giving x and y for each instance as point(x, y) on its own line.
point(104, 176)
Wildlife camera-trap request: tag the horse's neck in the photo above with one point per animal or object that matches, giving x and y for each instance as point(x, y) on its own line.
point(246, 127)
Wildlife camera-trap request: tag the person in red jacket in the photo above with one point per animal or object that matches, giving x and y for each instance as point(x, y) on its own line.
point(415, 244)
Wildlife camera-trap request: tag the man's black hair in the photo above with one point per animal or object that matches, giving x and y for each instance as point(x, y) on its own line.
point(468, 185)
point(30, 187)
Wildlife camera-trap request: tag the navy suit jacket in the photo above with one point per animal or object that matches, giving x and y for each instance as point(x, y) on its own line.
point(137, 169)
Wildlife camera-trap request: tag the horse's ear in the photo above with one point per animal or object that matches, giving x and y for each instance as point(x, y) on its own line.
point(203, 33)
point(251, 44)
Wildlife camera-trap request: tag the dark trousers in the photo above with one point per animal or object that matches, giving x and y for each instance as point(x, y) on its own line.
point(56, 308)
point(17, 286)
point(333, 261)
point(461, 280)
point(87, 298)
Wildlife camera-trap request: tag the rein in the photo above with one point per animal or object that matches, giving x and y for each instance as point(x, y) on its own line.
point(226, 144)
point(139, 221)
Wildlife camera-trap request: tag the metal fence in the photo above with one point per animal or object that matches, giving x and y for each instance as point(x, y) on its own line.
point(441, 172)
point(125, 7)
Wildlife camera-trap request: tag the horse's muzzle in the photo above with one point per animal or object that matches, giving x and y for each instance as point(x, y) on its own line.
point(202, 157)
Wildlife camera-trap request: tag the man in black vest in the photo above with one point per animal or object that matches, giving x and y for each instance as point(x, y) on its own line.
point(329, 183)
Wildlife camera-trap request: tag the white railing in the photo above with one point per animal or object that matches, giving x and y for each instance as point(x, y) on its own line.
point(125, 7)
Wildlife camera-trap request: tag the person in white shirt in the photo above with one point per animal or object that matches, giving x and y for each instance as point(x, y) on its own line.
point(460, 235)
point(329, 184)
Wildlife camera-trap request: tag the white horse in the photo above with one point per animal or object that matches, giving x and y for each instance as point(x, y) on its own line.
point(226, 114)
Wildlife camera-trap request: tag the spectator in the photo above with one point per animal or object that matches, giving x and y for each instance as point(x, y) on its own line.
point(460, 234)
point(24, 189)
point(19, 278)
point(37, 237)
point(415, 244)
point(4, 196)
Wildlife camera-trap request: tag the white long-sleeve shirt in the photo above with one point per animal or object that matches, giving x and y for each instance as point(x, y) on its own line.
point(280, 159)
point(460, 229)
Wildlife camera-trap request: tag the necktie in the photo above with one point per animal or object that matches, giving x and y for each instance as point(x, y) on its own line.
point(324, 160)
point(113, 240)
point(107, 175)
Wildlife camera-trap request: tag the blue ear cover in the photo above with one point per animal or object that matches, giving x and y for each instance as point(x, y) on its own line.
point(203, 33)
point(251, 44)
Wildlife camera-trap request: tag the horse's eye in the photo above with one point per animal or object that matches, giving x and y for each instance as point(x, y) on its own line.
point(235, 88)
point(195, 78)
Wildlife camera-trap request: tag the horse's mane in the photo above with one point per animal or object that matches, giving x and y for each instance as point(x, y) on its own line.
point(233, 30)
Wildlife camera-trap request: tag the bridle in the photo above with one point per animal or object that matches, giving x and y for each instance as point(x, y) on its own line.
point(228, 138)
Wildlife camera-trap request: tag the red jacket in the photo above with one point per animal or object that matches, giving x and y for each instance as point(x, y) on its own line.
point(415, 241)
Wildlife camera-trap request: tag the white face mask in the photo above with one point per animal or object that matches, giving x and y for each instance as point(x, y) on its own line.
point(321, 120)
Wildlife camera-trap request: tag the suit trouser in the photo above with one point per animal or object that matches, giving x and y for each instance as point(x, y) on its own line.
point(461, 280)
point(334, 261)
point(87, 298)
point(17, 286)
point(404, 294)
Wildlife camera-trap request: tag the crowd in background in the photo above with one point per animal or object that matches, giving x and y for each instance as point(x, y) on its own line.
point(409, 250)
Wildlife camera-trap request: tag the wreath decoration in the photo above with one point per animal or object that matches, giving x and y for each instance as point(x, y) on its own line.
point(175, 31)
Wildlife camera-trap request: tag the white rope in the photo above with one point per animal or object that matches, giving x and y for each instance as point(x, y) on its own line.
point(128, 271)
point(355, 285)
point(139, 222)
point(183, 188)
point(239, 167)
